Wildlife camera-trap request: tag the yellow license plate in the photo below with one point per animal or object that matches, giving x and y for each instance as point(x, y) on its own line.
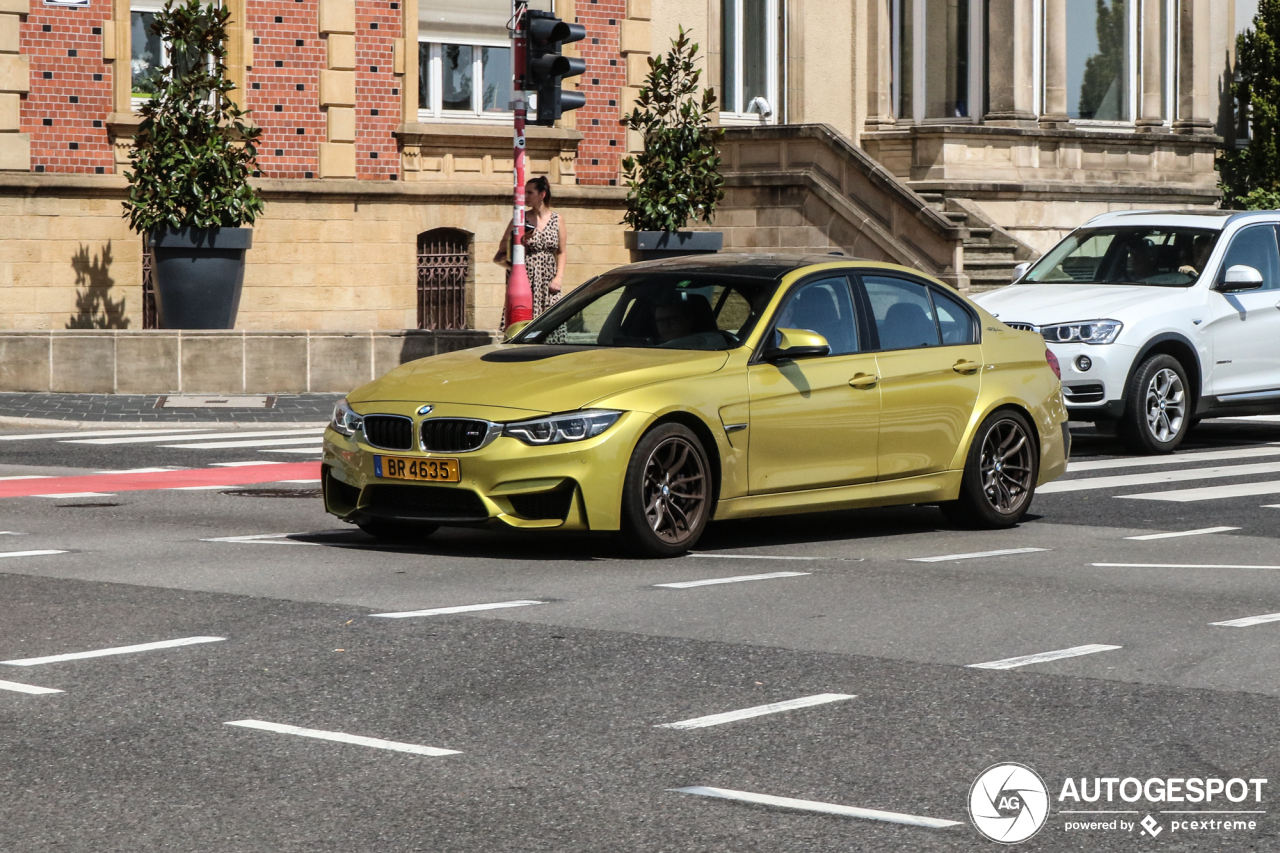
point(400, 468)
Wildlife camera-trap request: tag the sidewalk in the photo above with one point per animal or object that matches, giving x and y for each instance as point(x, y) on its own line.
point(42, 410)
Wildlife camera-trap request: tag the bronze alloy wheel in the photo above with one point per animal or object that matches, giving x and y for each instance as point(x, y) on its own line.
point(1007, 466)
point(1165, 404)
point(675, 490)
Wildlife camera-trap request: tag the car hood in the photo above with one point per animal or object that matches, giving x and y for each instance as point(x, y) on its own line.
point(1046, 304)
point(534, 378)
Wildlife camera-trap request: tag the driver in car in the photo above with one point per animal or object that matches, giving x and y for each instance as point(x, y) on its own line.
point(686, 321)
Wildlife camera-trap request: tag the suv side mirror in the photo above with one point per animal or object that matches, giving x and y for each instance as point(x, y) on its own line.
point(797, 343)
point(1238, 278)
point(1019, 271)
point(515, 329)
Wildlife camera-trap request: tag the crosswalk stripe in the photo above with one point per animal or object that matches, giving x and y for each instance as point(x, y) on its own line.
point(265, 442)
point(1154, 477)
point(39, 436)
point(1173, 459)
point(1249, 620)
point(223, 434)
point(1177, 533)
point(1044, 657)
point(293, 449)
point(1210, 493)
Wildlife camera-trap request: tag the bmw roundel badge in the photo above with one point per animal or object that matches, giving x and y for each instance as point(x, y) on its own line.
point(425, 410)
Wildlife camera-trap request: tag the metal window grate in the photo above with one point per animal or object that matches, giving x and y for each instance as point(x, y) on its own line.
point(150, 318)
point(444, 262)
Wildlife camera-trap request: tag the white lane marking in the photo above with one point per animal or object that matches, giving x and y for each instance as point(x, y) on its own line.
point(32, 436)
point(11, 533)
point(262, 539)
point(754, 557)
point(739, 579)
point(757, 711)
point(465, 608)
point(1175, 535)
point(29, 553)
point(340, 737)
point(1209, 493)
point(1153, 477)
point(29, 477)
point(26, 688)
point(1249, 620)
point(272, 433)
point(138, 471)
point(118, 650)
point(1042, 657)
point(243, 464)
point(295, 450)
point(1176, 566)
point(977, 554)
point(248, 442)
point(78, 495)
point(1174, 459)
point(813, 806)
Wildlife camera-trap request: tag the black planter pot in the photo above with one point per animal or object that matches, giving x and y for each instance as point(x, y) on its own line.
point(199, 273)
point(653, 245)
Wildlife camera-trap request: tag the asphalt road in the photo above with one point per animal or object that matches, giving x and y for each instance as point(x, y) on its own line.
point(555, 713)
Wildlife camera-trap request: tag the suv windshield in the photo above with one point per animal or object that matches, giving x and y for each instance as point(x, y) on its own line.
point(699, 311)
point(1163, 257)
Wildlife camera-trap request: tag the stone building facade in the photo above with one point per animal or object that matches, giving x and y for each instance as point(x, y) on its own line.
point(958, 135)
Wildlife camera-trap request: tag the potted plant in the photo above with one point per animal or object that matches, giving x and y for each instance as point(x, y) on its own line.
point(676, 178)
point(189, 189)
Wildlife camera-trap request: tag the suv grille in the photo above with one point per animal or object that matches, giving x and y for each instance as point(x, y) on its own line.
point(453, 435)
point(389, 431)
point(426, 503)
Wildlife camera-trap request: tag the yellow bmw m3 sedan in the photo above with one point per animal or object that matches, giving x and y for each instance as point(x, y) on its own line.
point(664, 395)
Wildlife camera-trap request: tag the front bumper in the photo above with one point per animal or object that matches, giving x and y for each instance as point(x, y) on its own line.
point(570, 486)
point(1096, 393)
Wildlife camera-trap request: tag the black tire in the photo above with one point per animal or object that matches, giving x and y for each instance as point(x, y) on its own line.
point(667, 493)
point(400, 532)
point(1157, 411)
point(1000, 474)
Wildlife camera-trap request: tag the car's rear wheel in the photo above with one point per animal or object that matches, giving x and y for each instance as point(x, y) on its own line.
point(666, 497)
point(1157, 411)
point(394, 530)
point(1000, 474)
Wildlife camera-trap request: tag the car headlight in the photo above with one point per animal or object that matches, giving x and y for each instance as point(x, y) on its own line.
point(557, 429)
point(345, 420)
point(1090, 332)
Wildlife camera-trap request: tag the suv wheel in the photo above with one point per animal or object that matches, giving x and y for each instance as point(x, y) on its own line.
point(1157, 412)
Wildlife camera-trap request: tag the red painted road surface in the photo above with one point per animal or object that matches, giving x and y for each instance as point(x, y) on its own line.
point(125, 482)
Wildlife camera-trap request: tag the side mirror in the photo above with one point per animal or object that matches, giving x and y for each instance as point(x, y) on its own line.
point(1019, 271)
point(1238, 278)
point(797, 343)
point(515, 329)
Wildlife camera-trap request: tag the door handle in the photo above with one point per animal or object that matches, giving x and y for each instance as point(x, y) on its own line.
point(864, 380)
point(964, 366)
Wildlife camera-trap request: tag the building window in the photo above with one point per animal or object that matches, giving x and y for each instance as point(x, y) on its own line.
point(934, 43)
point(749, 61)
point(147, 53)
point(1100, 79)
point(464, 59)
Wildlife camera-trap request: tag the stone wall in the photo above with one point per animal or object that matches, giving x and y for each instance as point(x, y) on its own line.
point(327, 254)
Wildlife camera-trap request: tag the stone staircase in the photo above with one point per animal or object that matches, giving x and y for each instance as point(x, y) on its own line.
point(990, 252)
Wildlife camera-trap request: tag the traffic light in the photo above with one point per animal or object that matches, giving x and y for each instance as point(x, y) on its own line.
point(546, 67)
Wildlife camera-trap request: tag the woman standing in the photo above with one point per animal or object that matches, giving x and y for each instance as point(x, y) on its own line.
point(545, 245)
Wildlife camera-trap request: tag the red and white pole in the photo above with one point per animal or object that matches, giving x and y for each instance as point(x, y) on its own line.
point(519, 294)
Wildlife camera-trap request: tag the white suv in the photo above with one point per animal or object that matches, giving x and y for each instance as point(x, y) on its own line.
point(1158, 319)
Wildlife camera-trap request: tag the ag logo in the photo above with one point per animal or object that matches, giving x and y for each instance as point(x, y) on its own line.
point(1008, 803)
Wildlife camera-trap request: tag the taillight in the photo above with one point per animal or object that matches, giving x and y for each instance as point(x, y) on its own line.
point(1053, 362)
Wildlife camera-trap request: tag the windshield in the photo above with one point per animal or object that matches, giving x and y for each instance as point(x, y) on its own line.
point(706, 311)
point(1163, 257)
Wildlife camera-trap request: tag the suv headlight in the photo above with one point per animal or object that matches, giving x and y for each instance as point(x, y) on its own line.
point(557, 429)
point(1089, 332)
point(345, 420)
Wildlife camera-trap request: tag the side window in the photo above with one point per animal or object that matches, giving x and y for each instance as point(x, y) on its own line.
point(825, 307)
point(902, 312)
point(954, 320)
point(1256, 247)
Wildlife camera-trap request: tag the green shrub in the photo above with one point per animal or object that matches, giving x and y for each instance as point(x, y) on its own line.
point(676, 177)
point(193, 153)
point(1251, 176)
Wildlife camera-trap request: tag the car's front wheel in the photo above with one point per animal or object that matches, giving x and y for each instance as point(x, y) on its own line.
point(666, 497)
point(1000, 474)
point(1157, 412)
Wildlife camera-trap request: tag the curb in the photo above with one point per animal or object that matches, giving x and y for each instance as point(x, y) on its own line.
point(70, 425)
